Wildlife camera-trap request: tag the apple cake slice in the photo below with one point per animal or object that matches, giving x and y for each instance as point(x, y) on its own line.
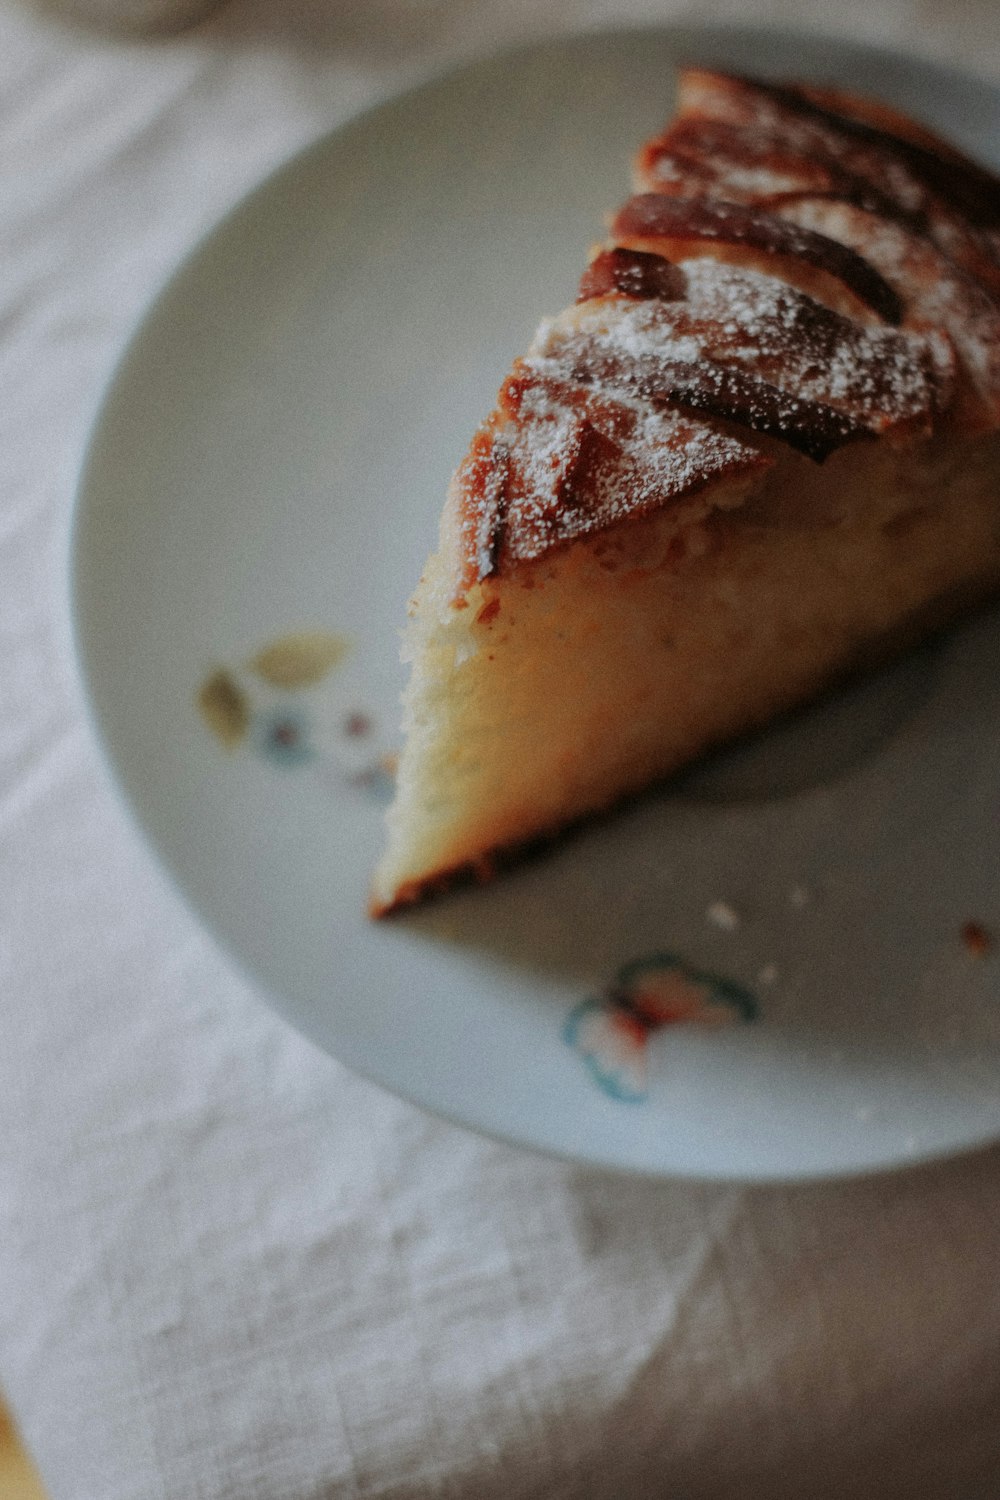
point(760, 451)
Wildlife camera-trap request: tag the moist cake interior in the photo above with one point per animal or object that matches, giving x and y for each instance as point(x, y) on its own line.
point(759, 452)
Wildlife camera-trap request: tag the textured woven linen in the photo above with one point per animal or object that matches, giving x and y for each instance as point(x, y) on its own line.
point(227, 1267)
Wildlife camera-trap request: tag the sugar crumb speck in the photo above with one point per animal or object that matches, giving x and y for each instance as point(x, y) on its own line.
point(722, 915)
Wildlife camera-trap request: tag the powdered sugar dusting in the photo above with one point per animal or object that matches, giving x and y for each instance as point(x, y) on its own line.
point(582, 459)
point(605, 417)
point(881, 375)
point(804, 361)
point(939, 295)
point(931, 191)
point(769, 147)
point(648, 390)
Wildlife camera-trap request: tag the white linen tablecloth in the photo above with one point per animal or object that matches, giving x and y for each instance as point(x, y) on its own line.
point(228, 1268)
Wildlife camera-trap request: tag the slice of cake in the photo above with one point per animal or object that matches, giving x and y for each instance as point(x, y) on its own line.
point(758, 453)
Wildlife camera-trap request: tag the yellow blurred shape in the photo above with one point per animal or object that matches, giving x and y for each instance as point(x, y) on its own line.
point(18, 1479)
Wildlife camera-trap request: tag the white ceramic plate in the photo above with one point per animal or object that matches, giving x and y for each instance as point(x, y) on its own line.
point(271, 460)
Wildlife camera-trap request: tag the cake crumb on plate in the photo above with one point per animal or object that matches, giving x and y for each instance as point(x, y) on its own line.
point(721, 914)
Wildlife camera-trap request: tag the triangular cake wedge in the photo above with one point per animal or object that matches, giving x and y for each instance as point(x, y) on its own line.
point(751, 458)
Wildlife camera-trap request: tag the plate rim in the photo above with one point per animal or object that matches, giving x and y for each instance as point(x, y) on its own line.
point(953, 76)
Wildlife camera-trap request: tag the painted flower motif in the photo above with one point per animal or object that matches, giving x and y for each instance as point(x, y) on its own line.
point(292, 704)
point(283, 736)
point(300, 660)
point(612, 1033)
point(223, 706)
point(377, 781)
point(613, 1049)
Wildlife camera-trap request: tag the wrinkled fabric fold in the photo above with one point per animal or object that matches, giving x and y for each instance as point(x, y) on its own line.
point(228, 1268)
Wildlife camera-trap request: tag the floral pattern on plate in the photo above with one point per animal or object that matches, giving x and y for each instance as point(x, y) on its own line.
point(611, 1033)
point(279, 705)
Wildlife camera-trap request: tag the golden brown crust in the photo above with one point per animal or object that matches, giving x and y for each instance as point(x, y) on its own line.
point(951, 198)
point(802, 220)
point(564, 458)
point(769, 144)
point(641, 555)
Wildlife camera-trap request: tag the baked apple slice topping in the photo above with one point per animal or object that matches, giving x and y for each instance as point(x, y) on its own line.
point(751, 164)
point(561, 460)
point(632, 273)
point(956, 200)
point(678, 228)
